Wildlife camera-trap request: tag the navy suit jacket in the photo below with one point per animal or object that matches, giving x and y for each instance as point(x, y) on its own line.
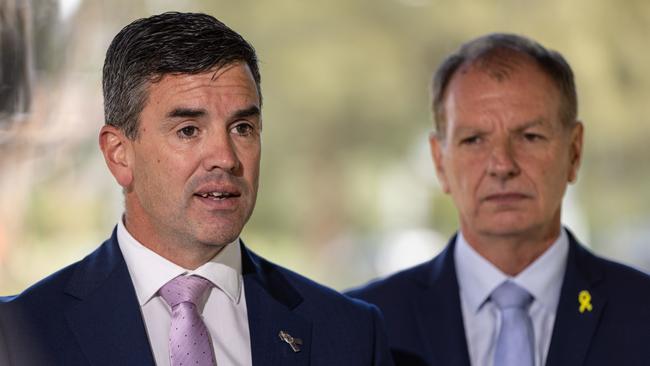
point(88, 314)
point(424, 319)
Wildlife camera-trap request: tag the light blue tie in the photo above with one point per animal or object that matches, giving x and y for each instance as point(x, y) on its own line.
point(515, 341)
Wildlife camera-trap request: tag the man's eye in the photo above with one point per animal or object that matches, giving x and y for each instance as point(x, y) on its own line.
point(533, 137)
point(472, 140)
point(243, 129)
point(188, 132)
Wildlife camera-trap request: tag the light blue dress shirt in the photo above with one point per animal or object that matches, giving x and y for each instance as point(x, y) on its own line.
point(477, 278)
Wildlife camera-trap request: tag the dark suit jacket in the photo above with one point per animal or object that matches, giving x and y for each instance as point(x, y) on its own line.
point(88, 314)
point(424, 319)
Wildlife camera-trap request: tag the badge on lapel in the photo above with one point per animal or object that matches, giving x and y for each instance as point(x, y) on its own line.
point(584, 298)
point(294, 343)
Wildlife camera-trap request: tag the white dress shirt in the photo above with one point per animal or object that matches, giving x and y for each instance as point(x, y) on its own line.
point(223, 308)
point(477, 278)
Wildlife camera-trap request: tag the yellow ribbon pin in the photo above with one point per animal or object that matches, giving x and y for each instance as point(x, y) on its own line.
point(584, 297)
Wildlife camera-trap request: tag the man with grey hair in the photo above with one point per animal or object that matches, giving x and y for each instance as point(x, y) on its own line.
point(513, 286)
point(174, 284)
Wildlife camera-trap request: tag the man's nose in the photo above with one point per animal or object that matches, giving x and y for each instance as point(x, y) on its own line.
point(220, 152)
point(502, 162)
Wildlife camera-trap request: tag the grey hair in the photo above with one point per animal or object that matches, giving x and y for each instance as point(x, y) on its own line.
point(495, 53)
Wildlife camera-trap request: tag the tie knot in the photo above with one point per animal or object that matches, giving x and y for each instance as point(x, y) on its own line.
point(184, 289)
point(509, 295)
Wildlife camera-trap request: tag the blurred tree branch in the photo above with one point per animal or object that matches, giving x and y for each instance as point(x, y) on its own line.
point(15, 66)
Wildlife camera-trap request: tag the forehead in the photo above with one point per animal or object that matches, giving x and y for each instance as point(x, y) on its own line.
point(234, 80)
point(518, 89)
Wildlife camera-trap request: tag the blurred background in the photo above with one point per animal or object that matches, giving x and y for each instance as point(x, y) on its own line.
point(348, 191)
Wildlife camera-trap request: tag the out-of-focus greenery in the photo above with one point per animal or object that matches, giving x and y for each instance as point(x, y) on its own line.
point(346, 119)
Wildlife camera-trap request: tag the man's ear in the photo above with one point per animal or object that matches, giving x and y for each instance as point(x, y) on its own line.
point(117, 150)
point(437, 153)
point(575, 150)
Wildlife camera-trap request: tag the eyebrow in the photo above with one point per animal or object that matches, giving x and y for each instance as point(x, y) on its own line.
point(186, 113)
point(540, 121)
point(462, 129)
point(252, 111)
point(181, 112)
point(536, 122)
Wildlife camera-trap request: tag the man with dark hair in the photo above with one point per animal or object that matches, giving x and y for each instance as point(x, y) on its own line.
point(513, 287)
point(174, 285)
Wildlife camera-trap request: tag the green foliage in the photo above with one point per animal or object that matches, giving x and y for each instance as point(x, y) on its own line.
point(345, 86)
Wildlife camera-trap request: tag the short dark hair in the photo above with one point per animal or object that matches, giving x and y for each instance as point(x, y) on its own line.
point(497, 45)
point(169, 43)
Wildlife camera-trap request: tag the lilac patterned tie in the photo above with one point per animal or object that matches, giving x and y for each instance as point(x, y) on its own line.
point(189, 340)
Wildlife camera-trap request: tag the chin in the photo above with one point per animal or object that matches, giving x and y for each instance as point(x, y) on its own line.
point(216, 235)
point(218, 228)
point(507, 226)
point(514, 229)
point(506, 231)
point(218, 239)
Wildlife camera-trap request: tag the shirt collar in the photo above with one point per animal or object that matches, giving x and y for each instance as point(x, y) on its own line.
point(543, 278)
point(149, 271)
point(477, 277)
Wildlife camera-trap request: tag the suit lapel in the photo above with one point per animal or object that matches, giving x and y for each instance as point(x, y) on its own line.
point(106, 320)
point(439, 308)
point(270, 301)
point(574, 329)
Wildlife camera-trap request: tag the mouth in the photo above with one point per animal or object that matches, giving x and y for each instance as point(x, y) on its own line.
point(218, 195)
point(506, 197)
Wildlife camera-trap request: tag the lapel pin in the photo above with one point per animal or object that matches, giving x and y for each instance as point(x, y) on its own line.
point(294, 343)
point(584, 298)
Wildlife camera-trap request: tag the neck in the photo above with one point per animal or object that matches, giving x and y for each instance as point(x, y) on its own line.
point(189, 255)
point(512, 253)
